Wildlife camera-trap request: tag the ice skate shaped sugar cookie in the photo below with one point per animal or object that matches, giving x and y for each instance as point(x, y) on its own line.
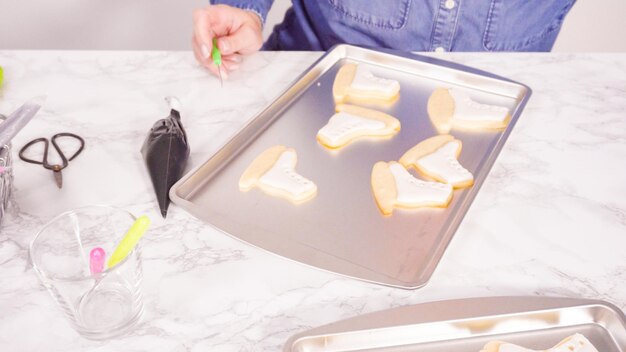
point(274, 173)
point(452, 108)
point(574, 343)
point(356, 82)
point(352, 122)
point(437, 158)
point(394, 187)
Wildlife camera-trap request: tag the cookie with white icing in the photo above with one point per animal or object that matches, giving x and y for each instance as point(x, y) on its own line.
point(357, 83)
point(574, 343)
point(352, 122)
point(394, 187)
point(273, 171)
point(437, 158)
point(453, 108)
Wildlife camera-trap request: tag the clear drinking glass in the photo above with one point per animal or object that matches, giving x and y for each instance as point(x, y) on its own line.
point(98, 306)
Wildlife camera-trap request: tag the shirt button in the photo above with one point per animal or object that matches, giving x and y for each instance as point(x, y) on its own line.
point(450, 4)
point(439, 49)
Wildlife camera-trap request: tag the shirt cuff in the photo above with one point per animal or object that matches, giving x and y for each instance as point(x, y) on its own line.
point(258, 7)
point(256, 12)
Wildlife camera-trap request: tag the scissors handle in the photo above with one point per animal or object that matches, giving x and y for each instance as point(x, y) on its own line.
point(56, 146)
point(44, 161)
point(31, 143)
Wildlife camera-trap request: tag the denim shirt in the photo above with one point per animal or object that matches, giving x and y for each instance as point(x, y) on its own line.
point(415, 25)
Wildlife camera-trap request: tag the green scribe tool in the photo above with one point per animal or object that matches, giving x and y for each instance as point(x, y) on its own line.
point(132, 236)
point(217, 60)
point(1, 76)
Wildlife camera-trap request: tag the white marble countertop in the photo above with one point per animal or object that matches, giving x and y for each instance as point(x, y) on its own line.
point(549, 220)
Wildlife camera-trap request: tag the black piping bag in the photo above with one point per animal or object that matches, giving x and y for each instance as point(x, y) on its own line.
point(166, 151)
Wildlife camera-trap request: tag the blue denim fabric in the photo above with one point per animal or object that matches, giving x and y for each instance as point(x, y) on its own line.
point(416, 25)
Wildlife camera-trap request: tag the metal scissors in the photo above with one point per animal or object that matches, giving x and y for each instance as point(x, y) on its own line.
point(56, 169)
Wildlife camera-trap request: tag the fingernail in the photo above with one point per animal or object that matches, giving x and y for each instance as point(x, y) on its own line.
point(205, 51)
point(233, 67)
point(236, 59)
point(224, 45)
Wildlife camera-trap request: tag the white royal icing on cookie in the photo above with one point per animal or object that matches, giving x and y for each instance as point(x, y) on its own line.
point(442, 162)
point(467, 109)
point(576, 343)
point(283, 176)
point(342, 124)
point(364, 79)
point(411, 190)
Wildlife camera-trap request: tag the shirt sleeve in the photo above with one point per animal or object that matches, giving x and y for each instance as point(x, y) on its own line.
point(260, 7)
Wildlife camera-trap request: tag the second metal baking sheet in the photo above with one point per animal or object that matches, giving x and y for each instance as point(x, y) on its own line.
point(466, 325)
point(341, 229)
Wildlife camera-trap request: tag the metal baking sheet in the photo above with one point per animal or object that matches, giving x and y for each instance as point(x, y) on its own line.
point(466, 325)
point(342, 229)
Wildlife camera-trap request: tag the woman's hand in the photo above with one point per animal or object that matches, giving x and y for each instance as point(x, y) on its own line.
point(238, 32)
